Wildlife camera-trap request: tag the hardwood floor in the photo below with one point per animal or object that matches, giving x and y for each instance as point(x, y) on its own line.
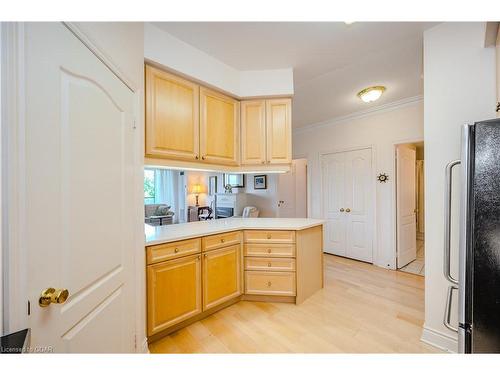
point(362, 309)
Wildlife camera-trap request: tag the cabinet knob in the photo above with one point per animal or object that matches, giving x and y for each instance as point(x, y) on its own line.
point(205, 255)
point(268, 236)
point(269, 251)
point(176, 250)
point(268, 283)
point(198, 257)
point(263, 162)
point(269, 264)
point(222, 240)
point(196, 157)
point(203, 157)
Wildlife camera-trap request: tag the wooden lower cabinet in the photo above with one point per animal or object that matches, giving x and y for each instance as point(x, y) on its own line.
point(270, 283)
point(222, 277)
point(174, 292)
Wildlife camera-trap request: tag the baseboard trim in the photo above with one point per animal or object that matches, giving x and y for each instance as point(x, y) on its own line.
point(439, 340)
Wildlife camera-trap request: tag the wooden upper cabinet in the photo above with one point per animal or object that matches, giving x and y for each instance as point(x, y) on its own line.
point(174, 292)
point(279, 131)
point(222, 279)
point(219, 128)
point(172, 116)
point(253, 132)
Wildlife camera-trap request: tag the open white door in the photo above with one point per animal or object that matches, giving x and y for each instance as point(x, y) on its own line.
point(80, 210)
point(405, 205)
point(292, 190)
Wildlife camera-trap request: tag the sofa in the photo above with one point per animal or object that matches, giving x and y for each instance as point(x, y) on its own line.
point(158, 214)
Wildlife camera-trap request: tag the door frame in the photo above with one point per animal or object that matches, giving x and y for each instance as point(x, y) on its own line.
point(13, 168)
point(371, 147)
point(395, 144)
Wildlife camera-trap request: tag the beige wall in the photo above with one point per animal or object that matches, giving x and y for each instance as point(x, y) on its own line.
point(380, 130)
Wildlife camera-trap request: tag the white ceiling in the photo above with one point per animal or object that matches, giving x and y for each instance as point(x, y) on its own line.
point(331, 61)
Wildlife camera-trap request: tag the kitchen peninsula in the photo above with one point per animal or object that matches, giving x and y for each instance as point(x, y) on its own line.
point(196, 269)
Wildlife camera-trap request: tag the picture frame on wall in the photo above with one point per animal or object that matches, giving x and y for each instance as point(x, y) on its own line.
point(260, 182)
point(212, 185)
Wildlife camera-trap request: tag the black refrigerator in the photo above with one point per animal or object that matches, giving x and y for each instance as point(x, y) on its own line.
point(478, 280)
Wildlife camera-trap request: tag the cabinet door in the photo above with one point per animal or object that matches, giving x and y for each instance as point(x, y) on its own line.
point(253, 132)
point(219, 128)
point(174, 292)
point(172, 116)
point(279, 131)
point(221, 275)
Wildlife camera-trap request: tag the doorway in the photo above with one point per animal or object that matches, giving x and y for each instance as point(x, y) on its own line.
point(410, 223)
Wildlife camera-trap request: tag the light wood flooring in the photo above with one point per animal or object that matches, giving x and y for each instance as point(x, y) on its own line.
point(362, 309)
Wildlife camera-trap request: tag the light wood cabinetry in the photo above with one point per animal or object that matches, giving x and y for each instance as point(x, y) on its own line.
point(220, 240)
point(269, 264)
point(219, 128)
point(160, 253)
point(266, 132)
point(253, 132)
point(174, 292)
point(270, 283)
point(279, 131)
point(221, 275)
point(172, 116)
point(269, 250)
point(190, 125)
point(269, 236)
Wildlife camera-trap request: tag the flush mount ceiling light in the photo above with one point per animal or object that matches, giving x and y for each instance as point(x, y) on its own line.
point(370, 94)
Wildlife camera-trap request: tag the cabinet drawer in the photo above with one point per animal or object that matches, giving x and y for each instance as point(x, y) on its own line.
point(270, 283)
point(219, 240)
point(269, 250)
point(172, 250)
point(269, 264)
point(269, 236)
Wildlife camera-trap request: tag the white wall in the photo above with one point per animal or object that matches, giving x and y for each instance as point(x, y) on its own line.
point(164, 49)
point(459, 88)
point(381, 130)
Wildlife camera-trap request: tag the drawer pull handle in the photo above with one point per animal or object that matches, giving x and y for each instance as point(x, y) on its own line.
point(222, 240)
point(176, 250)
point(268, 283)
point(269, 251)
point(269, 264)
point(268, 236)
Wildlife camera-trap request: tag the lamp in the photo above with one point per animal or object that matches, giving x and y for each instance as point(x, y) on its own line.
point(370, 94)
point(196, 189)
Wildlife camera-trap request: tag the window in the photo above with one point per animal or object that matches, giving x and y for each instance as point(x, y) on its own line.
point(149, 186)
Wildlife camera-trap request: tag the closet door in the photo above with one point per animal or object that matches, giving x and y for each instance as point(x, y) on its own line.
point(358, 200)
point(333, 185)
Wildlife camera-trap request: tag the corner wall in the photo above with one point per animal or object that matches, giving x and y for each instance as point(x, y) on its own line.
point(459, 88)
point(380, 130)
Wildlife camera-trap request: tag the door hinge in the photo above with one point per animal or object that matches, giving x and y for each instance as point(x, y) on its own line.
point(29, 308)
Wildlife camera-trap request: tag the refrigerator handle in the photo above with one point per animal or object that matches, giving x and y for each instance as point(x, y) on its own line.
point(447, 310)
point(447, 220)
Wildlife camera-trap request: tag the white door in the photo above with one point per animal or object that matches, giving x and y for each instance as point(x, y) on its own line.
point(333, 185)
point(292, 190)
point(347, 196)
point(405, 205)
point(358, 202)
point(79, 195)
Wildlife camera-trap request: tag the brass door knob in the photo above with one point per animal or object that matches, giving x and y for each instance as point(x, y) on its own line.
point(347, 210)
point(341, 210)
point(51, 295)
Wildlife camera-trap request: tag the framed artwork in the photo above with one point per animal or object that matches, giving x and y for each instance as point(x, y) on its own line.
point(212, 185)
point(260, 182)
point(234, 179)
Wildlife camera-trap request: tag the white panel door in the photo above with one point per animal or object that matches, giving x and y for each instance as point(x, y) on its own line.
point(358, 203)
point(333, 185)
point(406, 210)
point(79, 195)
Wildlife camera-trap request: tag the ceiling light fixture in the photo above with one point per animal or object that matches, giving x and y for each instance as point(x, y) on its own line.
point(370, 94)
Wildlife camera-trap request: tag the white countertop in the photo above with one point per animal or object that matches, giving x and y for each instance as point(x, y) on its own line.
point(176, 232)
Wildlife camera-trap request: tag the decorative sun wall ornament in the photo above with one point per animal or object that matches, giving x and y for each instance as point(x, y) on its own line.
point(382, 177)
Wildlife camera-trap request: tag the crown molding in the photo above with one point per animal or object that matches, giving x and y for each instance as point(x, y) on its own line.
point(360, 114)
